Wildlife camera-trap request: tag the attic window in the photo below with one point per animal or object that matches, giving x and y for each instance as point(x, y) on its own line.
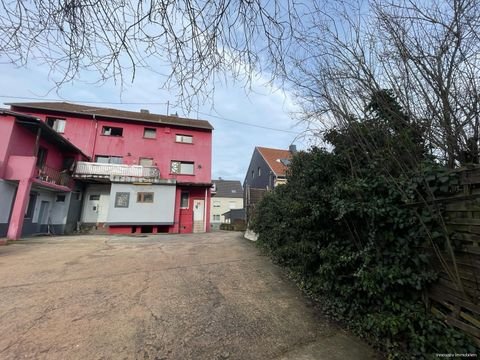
point(112, 131)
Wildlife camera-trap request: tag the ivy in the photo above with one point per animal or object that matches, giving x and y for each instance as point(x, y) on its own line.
point(353, 240)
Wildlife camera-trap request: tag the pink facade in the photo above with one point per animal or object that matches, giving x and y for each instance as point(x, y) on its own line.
point(86, 133)
point(22, 139)
point(165, 144)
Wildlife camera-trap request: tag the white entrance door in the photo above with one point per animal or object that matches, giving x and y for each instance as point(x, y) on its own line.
point(198, 216)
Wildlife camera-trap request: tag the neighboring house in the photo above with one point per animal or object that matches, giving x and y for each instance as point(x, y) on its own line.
point(268, 167)
point(147, 173)
point(267, 170)
point(227, 195)
point(37, 192)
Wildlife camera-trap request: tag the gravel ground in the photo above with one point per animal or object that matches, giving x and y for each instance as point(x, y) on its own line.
point(199, 296)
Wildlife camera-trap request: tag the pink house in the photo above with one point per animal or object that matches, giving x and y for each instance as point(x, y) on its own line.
point(37, 192)
point(147, 172)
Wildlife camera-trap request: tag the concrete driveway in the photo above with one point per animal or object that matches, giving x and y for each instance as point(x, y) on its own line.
point(208, 296)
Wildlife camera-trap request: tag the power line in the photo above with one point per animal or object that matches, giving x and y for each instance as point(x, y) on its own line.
point(250, 124)
point(84, 101)
point(156, 103)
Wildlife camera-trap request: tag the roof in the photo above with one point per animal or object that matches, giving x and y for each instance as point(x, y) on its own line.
point(273, 158)
point(32, 124)
point(235, 214)
point(70, 108)
point(228, 188)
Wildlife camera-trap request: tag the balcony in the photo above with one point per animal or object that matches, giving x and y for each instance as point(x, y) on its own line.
point(116, 172)
point(54, 176)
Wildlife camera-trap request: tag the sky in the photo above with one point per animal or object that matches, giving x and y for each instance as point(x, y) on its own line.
point(229, 111)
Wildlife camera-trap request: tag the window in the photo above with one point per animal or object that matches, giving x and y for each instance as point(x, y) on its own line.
point(146, 162)
point(122, 199)
point(182, 167)
point(150, 133)
point(112, 131)
point(188, 139)
point(108, 159)
point(259, 171)
point(56, 124)
point(216, 217)
point(184, 200)
point(41, 157)
point(94, 197)
point(31, 205)
point(216, 203)
point(145, 197)
point(68, 163)
point(253, 174)
point(60, 198)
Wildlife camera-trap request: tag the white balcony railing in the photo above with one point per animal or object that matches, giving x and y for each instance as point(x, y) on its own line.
point(116, 172)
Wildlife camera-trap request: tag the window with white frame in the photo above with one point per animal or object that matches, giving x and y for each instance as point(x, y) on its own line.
point(182, 167)
point(216, 217)
point(187, 139)
point(216, 203)
point(56, 124)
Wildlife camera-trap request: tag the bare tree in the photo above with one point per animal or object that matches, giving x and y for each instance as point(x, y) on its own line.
point(427, 52)
point(193, 40)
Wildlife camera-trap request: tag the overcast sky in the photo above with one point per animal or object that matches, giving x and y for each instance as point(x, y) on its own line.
point(233, 142)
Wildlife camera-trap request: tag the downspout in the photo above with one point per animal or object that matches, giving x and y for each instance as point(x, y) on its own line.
point(94, 137)
point(37, 142)
point(205, 211)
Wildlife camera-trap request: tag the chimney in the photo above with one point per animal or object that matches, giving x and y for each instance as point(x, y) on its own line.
point(145, 111)
point(293, 149)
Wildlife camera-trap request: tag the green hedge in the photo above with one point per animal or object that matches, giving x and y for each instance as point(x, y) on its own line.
point(349, 240)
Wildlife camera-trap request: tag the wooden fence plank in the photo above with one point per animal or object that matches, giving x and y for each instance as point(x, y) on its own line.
point(461, 325)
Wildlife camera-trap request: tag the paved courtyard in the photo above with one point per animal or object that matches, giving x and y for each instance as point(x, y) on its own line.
point(208, 296)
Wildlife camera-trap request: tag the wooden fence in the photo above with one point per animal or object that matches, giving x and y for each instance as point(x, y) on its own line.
point(456, 297)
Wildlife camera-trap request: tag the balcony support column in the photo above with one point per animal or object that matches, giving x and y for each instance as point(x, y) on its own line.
point(18, 212)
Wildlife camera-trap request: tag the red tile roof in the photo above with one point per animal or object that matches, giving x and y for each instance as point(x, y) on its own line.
point(273, 157)
point(113, 113)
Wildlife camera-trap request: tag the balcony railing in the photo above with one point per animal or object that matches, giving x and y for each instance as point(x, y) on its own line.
point(116, 172)
point(54, 176)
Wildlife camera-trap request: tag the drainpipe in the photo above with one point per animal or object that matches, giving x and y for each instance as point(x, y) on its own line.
point(205, 211)
point(37, 142)
point(94, 137)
